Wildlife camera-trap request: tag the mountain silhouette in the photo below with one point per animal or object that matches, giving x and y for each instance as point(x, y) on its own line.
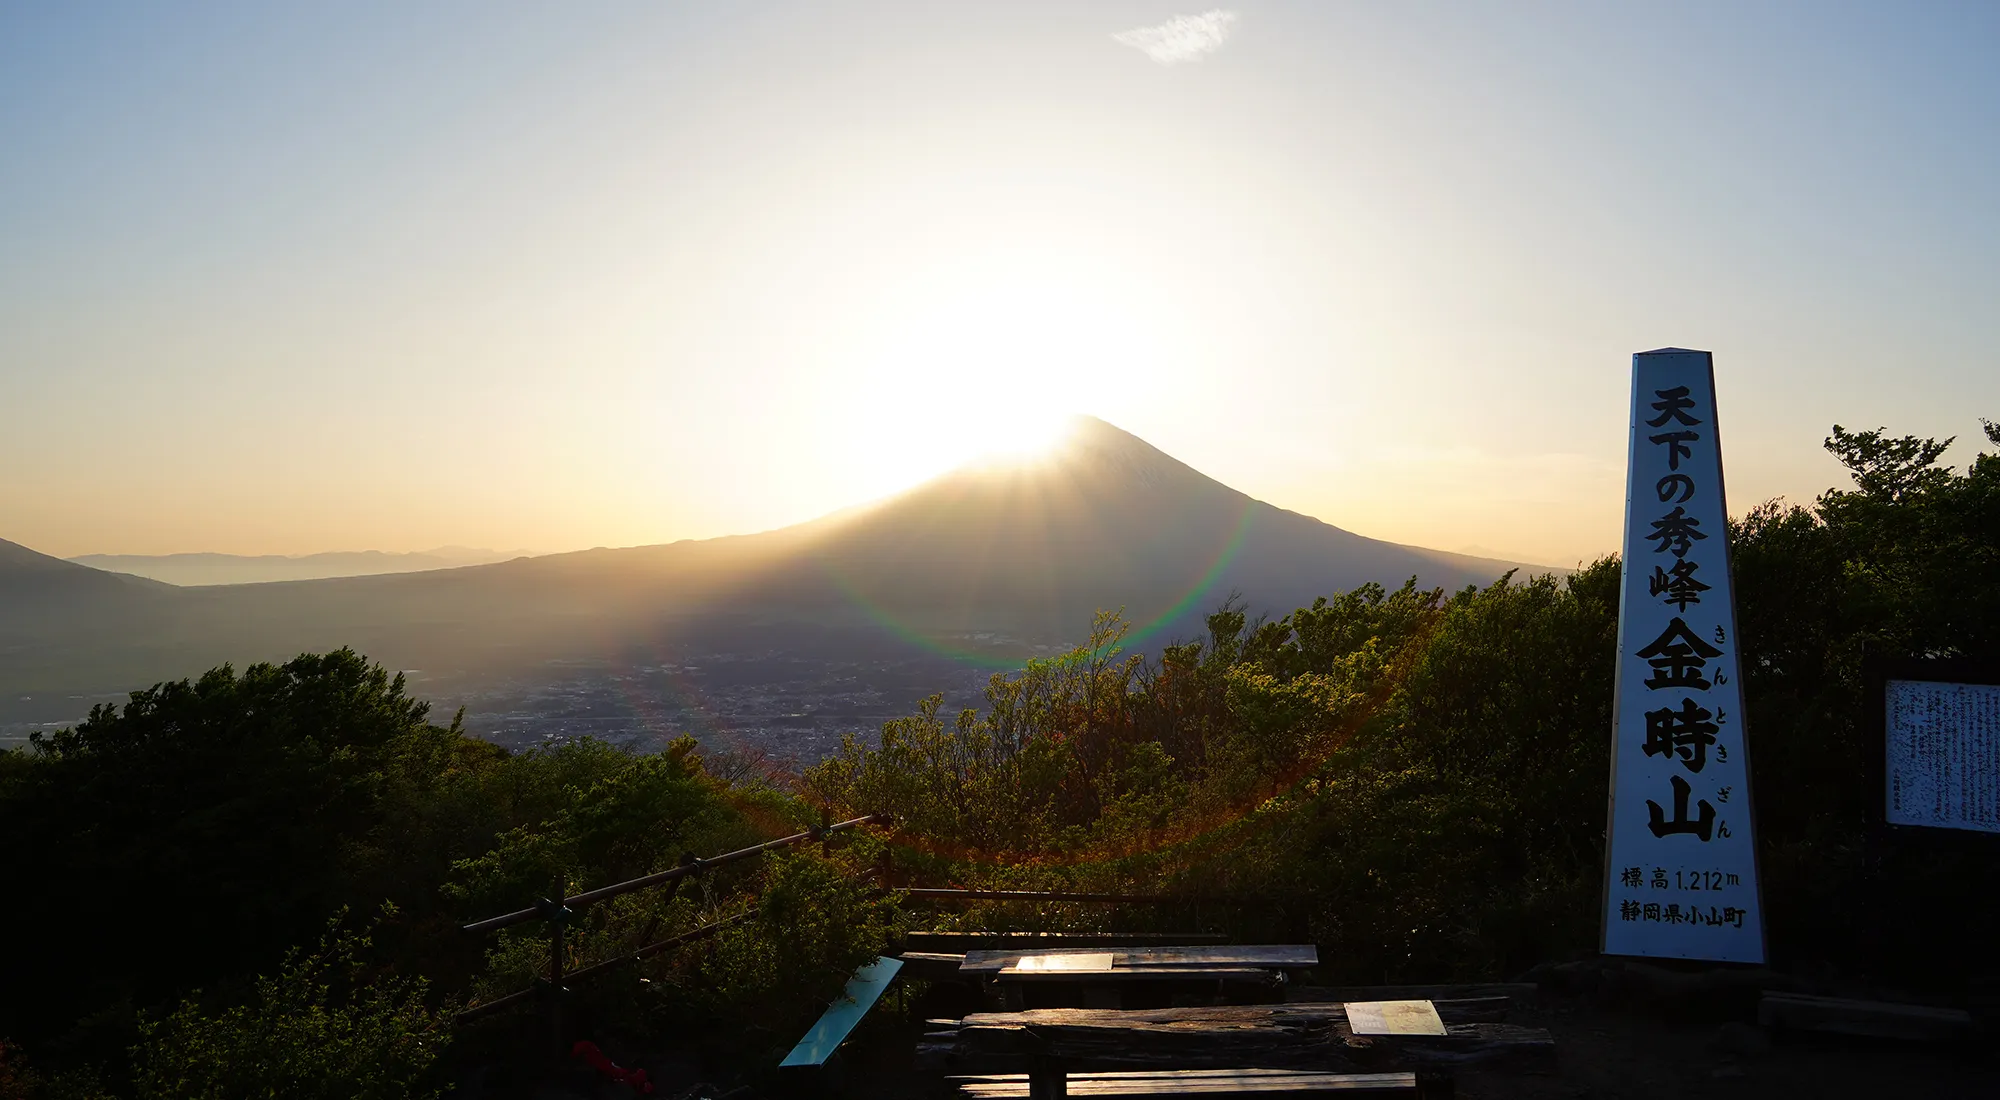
point(1000, 557)
point(203, 569)
point(1106, 520)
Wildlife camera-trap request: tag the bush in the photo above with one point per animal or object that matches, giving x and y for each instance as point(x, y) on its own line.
point(817, 922)
point(324, 1027)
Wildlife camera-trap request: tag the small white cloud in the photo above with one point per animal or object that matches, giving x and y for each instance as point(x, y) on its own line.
point(1182, 38)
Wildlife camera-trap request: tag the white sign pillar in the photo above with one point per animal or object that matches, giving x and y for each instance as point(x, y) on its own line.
point(1680, 856)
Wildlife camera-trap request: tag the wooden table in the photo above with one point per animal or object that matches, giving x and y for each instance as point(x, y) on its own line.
point(1284, 956)
point(1103, 975)
point(961, 942)
point(1289, 1036)
point(1214, 1084)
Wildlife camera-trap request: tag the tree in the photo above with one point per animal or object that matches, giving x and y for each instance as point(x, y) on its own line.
point(199, 830)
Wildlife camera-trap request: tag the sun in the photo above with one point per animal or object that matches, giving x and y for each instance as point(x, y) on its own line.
point(973, 415)
point(984, 374)
point(1015, 436)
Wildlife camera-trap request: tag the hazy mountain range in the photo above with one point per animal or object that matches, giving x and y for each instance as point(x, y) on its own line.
point(192, 570)
point(991, 558)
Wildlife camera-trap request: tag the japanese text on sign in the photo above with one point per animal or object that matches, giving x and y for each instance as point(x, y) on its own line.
point(1680, 814)
point(1942, 754)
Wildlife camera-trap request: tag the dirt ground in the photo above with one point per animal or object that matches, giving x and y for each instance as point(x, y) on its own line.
point(1627, 1055)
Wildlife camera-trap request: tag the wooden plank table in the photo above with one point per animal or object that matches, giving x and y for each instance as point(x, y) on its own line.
point(1215, 1084)
point(1088, 976)
point(933, 966)
point(1104, 975)
point(961, 942)
point(1284, 1036)
point(1256, 956)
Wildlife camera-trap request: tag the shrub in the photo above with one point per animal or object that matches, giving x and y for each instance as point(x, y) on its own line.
point(324, 1027)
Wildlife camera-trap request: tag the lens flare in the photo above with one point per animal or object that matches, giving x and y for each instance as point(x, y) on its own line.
point(1205, 587)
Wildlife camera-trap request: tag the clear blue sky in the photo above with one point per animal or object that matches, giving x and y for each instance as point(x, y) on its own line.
point(284, 278)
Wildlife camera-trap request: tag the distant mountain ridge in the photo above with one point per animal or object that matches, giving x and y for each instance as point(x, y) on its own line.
point(1004, 557)
point(29, 579)
point(209, 568)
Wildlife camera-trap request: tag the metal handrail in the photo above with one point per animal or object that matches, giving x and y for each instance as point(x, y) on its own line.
point(955, 894)
point(557, 911)
point(536, 912)
point(473, 1012)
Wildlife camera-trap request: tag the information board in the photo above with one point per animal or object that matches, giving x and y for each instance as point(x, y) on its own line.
point(1937, 726)
point(1681, 860)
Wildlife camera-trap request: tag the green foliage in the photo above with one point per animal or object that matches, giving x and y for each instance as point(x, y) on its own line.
point(1141, 799)
point(1513, 692)
point(324, 1026)
point(17, 1081)
point(196, 835)
point(964, 783)
point(1905, 564)
point(1077, 750)
point(619, 817)
point(634, 815)
point(201, 829)
point(21, 1081)
point(1454, 832)
point(817, 921)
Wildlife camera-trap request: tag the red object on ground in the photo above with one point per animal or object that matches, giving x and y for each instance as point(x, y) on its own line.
point(634, 1079)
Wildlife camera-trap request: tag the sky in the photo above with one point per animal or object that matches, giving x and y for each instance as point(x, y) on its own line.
point(309, 277)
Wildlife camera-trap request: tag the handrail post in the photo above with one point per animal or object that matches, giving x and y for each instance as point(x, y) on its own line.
point(557, 914)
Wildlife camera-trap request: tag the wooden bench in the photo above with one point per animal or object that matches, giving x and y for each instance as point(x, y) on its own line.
point(933, 966)
point(834, 1025)
point(1213, 1084)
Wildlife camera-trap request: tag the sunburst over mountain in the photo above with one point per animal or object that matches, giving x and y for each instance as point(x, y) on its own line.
point(995, 556)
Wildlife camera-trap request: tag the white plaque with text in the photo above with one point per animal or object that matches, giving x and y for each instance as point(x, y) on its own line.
point(1681, 861)
point(1941, 754)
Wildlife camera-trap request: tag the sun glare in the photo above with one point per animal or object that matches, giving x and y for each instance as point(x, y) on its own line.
point(987, 373)
point(1021, 434)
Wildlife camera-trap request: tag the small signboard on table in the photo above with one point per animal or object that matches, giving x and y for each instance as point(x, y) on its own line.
point(1681, 861)
point(1393, 1018)
point(1088, 961)
point(1936, 727)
